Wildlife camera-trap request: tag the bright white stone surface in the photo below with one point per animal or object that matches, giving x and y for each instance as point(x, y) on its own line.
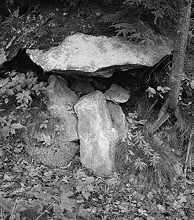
point(89, 53)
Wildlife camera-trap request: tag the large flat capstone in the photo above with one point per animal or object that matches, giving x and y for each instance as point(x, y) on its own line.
point(89, 53)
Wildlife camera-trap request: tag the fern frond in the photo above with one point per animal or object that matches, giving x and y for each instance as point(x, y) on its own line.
point(111, 18)
point(124, 29)
point(151, 155)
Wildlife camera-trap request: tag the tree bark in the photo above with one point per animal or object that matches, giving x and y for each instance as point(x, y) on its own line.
point(177, 71)
point(184, 12)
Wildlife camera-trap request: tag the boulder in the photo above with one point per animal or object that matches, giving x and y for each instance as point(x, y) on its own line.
point(61, 106)
point(96, 133)
point(119, 120)
point(88, 54)
point(82, 87)
point(117, 94)
point(45, 142)
point(54, 156)
point(51, 135)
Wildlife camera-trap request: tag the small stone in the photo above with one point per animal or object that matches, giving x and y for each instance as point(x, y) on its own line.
point(192, 84)
point(98, 14)
point(117, 94)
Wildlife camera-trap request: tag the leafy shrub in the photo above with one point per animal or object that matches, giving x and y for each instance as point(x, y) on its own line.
point(84, 184)
point(144, 154)
point(137, 32)
point(17, 93)
point(159, 8)
point(140, 20)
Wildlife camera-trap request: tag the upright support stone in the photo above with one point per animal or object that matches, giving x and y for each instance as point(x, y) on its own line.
point(96, 133)
point(61, 103)
point(118, 119)
point(50, 134)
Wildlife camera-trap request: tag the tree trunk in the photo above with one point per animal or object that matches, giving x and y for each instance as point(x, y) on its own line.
point(179, 52)
point(180, 43)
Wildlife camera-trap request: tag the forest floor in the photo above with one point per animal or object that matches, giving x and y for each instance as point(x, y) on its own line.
point(32, 191)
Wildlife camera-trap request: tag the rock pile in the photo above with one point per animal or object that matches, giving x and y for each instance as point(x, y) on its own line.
point(93, 123)
point(81, 114)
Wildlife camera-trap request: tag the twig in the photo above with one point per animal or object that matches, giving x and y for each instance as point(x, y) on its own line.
point(188, 150)
point(10, 42)
point(163, 116)
point(45, 211)
point(13, 210)
point(158, 123)
point(151, 108)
